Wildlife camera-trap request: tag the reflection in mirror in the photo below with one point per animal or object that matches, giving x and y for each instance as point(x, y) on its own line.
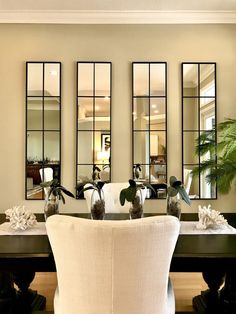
point(43, 124)
point(149, 125)
point(93, 123)
point(198, 114)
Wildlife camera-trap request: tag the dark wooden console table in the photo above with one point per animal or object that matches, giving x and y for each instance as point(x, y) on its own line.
point(213, 255)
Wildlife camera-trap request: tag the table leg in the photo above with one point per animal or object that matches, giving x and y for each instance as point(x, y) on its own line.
point(209, 302)
point(28, 299)
point(7, 292)
point(228, 293)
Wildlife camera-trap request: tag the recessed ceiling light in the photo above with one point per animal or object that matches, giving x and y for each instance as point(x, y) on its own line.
point(106, 97)
point(53, 72)
point(134, 113)
point(156, 111)
point(154, 106)
point(97, 107)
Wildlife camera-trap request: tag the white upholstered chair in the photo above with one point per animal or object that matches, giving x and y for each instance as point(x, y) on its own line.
point(113, 267)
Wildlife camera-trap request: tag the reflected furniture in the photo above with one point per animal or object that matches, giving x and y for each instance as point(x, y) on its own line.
point(149, 121)
point(43, 124)
point(93, 116)
point(105, 270)
point(214, 255)
point(198, 115)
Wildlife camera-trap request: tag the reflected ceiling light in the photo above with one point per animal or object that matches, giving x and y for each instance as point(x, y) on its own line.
point(134, 113)
point(156, 111)
point(97, 107)
point(53, 72)
point(154, 106)
point(106, 97)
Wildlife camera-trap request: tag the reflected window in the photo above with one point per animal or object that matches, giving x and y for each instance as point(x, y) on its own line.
point(43, 126)
point(149, 124)
point(93, 134)
point(198, 115)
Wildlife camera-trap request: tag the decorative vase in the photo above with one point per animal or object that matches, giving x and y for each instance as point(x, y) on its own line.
point(136, 208)
point(174, 206)
point(51, 206)
point(97, 206)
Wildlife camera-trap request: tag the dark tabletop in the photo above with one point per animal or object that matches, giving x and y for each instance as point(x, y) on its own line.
point(192, 252)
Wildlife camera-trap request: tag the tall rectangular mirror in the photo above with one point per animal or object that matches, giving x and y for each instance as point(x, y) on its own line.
point(43, 126)
point(93, 126)
point(198, 115)
point(149, 124)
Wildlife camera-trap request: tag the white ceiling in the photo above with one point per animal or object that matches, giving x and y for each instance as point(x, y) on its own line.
point(118, 11)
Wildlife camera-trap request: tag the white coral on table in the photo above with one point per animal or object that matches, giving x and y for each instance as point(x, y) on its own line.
point(20, 218)
point(210, 218)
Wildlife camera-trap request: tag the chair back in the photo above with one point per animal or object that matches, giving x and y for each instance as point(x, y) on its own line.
point(113, 267)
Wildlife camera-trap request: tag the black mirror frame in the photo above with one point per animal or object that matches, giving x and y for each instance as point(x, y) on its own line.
point(198, 97)
point(79, 194)
point(57, 170)
point(158, 187)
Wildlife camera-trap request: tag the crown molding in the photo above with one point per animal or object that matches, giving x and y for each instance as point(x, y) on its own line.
point(117, 17)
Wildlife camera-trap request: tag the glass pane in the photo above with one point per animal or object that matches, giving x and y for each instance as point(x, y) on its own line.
point(141, 147)
point(191, 183)
point(207, 113)
point(34, 113)
point(102, 79)
point(190, 79)
point(33, 180)
point(207, 80)
point(141, 79)
point(85, 112)
point(51, 114)
point(85, 79)
point(208, 190)
point(141, 114)
point(34, 147)
point(158, 146)
point(209, 138)
point(104, 174)
point(85, 147)
point(141, 172)
point(157, 79)
point(102, 148)
point(189, 143)
point(102, 113)
point(157, 114)
point(35, 79)
point(84, 173)
point(51, 79)
point(190, 114)
point(51, 146)
point(158, 172)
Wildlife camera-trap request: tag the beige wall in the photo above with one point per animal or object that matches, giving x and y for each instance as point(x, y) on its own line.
point(121, 45)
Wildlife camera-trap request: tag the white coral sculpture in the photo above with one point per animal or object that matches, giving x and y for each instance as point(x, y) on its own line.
point(209, 218)
point(20, 218)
